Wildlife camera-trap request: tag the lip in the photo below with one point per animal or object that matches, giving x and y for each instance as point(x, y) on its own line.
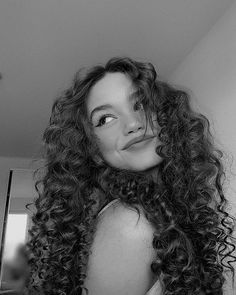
point(136, 140)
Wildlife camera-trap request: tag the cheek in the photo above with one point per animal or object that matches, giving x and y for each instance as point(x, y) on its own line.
point(106, 142)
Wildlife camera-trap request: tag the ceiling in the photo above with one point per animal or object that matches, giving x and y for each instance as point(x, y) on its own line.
point(44, 42)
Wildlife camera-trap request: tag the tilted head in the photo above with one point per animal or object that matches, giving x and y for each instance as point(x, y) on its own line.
point(117, 108)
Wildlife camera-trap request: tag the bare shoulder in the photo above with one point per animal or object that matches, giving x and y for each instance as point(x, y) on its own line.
point(126, 220)
point(121, 253)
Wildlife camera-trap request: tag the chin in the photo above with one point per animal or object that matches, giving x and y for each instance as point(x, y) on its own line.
point(142, 168)
point(143, 165)
point(134, 162)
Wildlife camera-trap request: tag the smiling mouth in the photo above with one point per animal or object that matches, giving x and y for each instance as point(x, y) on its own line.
point(140, 144)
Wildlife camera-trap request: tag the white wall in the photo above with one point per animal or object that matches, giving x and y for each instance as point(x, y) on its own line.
point(209, 73)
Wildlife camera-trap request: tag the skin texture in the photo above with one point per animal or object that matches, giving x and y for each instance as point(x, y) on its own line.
point(121, 254)
point(122, 124)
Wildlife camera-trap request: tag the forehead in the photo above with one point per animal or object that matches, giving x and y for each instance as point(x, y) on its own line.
point(110, 88)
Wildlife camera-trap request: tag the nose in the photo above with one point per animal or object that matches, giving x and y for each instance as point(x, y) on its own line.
point(133, 124)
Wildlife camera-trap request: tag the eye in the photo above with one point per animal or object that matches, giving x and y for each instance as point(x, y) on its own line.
point(102, 120)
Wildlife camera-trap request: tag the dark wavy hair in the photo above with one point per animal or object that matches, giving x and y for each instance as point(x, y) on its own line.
point(185, 201)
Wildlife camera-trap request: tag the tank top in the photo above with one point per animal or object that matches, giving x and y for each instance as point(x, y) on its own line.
point(106, 206)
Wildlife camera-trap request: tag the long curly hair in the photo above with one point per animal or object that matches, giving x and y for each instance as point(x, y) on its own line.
point(185, 201)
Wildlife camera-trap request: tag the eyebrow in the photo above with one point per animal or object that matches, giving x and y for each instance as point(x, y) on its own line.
point(108, 106)
point(100, 108)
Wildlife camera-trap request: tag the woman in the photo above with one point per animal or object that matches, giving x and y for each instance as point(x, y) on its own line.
point(123, 141)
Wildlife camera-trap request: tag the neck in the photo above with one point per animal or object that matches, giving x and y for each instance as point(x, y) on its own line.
point(152, 174)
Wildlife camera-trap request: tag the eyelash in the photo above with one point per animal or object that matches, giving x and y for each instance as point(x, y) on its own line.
point(109, 115)
point(100, 120)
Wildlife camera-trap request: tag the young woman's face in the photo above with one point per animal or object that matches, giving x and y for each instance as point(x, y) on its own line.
point(117, 124)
